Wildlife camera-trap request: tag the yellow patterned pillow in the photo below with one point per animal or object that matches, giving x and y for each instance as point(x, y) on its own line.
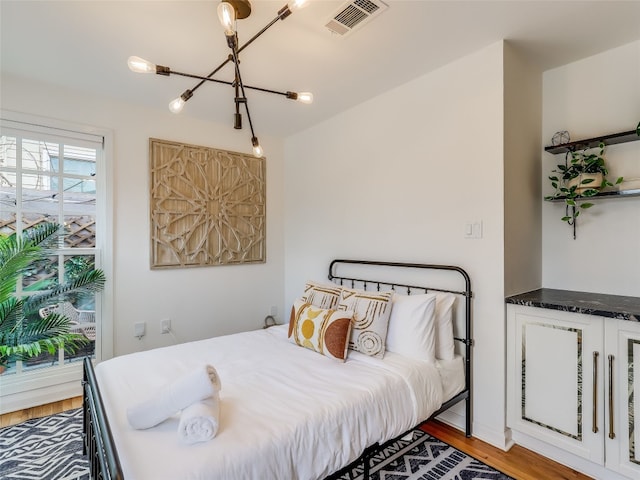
point(371, 312)
point(323, 331)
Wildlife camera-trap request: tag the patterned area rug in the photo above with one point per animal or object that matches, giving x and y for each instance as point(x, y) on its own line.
point(419, 456)
point(47, 448)
point(50, 448)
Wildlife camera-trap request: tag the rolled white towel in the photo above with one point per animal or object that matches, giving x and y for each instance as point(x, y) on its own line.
point(199, 422)
point(202, 383)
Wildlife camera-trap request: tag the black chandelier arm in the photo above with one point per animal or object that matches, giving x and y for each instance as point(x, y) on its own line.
point(225, 82)
point(232, 41)
point(238, 83)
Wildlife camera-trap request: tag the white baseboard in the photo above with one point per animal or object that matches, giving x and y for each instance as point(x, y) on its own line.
point(39, 387)
point(453, 419)
point(499, 439)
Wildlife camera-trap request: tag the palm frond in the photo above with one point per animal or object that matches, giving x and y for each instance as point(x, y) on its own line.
point(18, 252)
point(31, 337)
point(10, 313)
point(87, 282)
point(13, 261)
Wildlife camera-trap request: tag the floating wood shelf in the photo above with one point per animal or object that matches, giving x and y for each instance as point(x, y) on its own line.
point(614, 138)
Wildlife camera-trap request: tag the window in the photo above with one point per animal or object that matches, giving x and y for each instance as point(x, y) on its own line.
point(57, 175)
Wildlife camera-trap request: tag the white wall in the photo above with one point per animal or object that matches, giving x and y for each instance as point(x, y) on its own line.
point(201, 302)
point(595, 96)
point(397, 178)
point(522, 192)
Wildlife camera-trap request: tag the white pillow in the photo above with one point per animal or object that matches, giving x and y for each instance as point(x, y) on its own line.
point(445, 346)
point(412, 327)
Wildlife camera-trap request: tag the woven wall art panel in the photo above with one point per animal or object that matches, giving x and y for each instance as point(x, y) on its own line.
point(208, 206)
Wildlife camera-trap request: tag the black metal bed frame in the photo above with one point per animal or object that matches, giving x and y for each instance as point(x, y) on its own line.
point(98, 442)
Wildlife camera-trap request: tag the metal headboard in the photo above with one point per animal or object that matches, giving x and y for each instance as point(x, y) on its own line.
point(467, 340)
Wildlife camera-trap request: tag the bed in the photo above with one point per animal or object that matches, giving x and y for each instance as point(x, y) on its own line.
point(286, 412)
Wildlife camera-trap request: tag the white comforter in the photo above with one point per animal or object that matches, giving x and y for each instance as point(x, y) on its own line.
point(285, 412)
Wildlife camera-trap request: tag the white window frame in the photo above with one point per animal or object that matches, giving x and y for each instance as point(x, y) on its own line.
point(28, 389)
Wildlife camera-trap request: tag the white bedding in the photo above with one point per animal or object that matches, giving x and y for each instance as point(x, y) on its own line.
point(285, 412)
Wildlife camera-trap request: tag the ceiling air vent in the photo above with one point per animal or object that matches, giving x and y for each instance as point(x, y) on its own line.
point(353, 15)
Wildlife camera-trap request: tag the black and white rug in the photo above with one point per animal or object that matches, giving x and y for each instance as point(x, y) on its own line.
point(50, 448)
point(47, 448)
point(419, 456)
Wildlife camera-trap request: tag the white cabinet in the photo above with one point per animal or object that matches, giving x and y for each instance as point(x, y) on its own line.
point(623, 409)
point(571, 386)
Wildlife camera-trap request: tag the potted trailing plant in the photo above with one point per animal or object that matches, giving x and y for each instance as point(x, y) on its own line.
point(583, 176)
point(23, 332)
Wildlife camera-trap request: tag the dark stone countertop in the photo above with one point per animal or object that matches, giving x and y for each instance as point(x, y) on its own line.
point(611, 306)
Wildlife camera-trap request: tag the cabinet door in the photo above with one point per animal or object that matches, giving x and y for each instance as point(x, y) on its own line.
point(556, 389)
point(623, 408)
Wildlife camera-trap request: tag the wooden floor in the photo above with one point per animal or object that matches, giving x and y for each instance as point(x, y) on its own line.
point(520, 463)
point(19, 416)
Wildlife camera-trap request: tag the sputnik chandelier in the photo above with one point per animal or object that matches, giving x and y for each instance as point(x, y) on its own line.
point(228, 12)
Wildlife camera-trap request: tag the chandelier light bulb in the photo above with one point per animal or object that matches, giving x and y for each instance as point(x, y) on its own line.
point(140, 65)
point(257, 149)
point(176, 105)
point(305, 97)
point(227, 17)
point(297, 4)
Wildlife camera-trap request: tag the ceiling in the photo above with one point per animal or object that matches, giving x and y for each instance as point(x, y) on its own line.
point(84, 45)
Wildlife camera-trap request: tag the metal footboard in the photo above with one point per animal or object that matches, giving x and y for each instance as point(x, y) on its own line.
point(97, 442)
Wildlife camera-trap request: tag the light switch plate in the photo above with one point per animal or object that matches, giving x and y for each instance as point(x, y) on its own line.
point(473, 229)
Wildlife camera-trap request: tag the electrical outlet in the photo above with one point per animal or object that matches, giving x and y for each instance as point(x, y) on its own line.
point(165, 325)
point(138, 329)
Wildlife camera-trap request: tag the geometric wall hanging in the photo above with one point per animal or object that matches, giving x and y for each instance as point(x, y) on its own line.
point(208, 206)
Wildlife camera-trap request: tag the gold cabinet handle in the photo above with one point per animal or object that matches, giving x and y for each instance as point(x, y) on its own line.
point(594, 428)
point(612, 433)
